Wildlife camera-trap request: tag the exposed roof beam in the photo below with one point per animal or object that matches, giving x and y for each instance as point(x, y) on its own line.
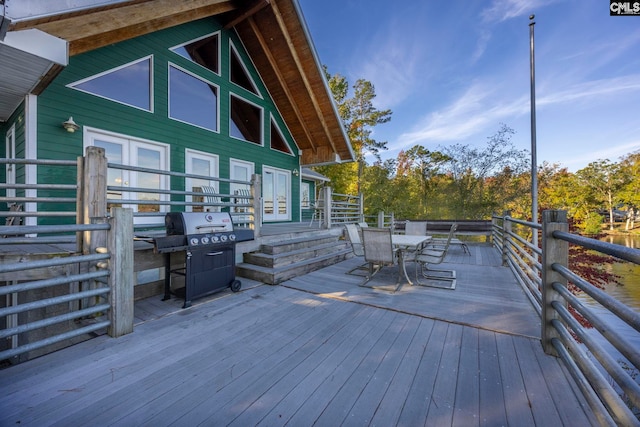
point(294, 53)
point(257, 7)
point(281, 80)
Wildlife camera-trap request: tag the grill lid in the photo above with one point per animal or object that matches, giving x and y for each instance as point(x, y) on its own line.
point(182, 223)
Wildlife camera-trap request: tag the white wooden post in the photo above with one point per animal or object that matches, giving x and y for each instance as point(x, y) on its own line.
point(121, 279)
point(256, 193)
point(381, 219)
point(361, 207)
point(554, 251)
point(327, 207)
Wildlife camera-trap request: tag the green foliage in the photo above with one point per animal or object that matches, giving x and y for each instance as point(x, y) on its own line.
point(469, 181)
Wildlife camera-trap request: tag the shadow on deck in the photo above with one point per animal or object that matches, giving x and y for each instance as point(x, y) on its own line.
point(318, 349)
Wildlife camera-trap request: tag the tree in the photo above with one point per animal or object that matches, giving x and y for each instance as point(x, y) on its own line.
point(359, 116)
point(478, 175)
point(630, 191)
point(602, 183)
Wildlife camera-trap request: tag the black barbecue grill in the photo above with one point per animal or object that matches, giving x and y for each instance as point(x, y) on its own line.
point(208, 240)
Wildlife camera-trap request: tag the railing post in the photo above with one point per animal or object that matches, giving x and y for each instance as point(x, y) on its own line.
point(506, 236)
point(328, 201)
point(256, 193)
point(381, 219)
point(361, 207)
point(121, 280)
point(554, 251)
point(94, 196)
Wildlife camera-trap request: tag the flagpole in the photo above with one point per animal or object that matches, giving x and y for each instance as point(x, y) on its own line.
point(534, 161)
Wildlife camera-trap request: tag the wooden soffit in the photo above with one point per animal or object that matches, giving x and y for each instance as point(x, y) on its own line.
point(274, 34)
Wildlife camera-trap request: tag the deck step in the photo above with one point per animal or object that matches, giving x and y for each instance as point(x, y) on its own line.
point(277, 275)
point(276, 262)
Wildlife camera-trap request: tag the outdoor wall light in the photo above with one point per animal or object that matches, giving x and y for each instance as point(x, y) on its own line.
point(295, 172)
point(70, 125)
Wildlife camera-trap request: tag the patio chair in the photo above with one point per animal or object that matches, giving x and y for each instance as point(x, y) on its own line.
point(379, 252)
point(430, 255)
point(439, 243)
point(318, 209)
point(213, 200)
point(415, 228)
point(353, 235)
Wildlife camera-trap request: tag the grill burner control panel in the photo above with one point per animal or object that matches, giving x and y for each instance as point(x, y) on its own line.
point(195, 240)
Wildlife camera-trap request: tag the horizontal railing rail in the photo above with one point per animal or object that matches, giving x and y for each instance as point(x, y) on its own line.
point(27, 199)
point(602, 360)
point(239, 204)
point(59, 308)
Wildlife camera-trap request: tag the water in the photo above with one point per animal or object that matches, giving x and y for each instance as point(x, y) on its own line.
point(628, 292)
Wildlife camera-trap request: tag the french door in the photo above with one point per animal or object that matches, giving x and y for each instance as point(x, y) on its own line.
point(133, 152)
point(276, 194)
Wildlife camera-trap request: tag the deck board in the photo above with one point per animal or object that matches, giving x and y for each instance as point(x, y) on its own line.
point(317, 350)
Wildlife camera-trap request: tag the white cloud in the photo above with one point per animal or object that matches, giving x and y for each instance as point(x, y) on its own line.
point(582, 91)
point(502, 10)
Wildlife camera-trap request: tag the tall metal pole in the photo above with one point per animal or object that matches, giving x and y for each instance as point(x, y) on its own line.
point(534, 160)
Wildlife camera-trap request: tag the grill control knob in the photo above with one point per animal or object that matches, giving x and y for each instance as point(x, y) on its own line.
point(232, 237)
point(205, 240)
point(215, 239)
point(194, 241)
point(223, 238)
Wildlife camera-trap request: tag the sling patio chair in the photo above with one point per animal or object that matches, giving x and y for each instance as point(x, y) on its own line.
point(430, 255)
point(379, 252)
point(211, 199)
point(415, 228)
point(353, 235)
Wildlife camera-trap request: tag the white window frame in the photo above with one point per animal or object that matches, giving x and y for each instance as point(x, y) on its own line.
point(10, 168)
point(256, 91)
point(95, 76)
point(219, 34)
point(130, 144)
point(261, 144)
point(275, 124)
point(275, 216)
point(194, 75)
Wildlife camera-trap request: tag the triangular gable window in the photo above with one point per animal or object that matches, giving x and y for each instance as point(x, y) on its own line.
point(204, 51)
point(239, 73)
point(129, 84)
point(277, 141)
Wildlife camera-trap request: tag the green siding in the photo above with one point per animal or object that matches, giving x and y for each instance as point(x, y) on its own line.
point(58, 102)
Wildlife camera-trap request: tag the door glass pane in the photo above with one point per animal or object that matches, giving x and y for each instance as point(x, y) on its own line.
point(282, 194)
point(148, 159)
point(199, 167)
point(115, 177)
point(268, 193)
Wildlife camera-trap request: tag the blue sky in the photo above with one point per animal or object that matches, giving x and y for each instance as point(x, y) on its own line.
point(453, 71)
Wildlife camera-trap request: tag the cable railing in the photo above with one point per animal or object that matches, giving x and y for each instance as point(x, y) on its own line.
point(603, 361)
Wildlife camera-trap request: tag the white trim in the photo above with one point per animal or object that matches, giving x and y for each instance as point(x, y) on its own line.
point(129, 155)
point(31, 152)
point(261, 144)
point(189, 156)
point(271, 120)
point(112, 70)
point(194, 75)
point(10, 153)
point(256, 91)
point(219, 34)
point(277, 171)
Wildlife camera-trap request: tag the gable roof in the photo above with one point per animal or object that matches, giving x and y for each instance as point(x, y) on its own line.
point(273, 32)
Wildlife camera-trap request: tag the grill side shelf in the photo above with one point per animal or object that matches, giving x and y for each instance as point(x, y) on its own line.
point(170, 244)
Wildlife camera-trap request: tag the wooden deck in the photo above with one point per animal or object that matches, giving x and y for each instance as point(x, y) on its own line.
point(316, 350)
